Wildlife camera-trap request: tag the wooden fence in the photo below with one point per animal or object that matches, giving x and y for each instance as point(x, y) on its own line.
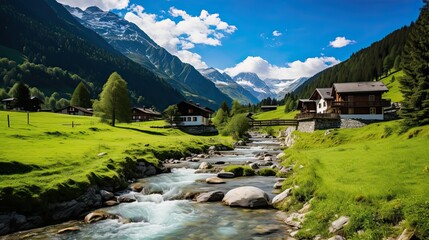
point(277, 122)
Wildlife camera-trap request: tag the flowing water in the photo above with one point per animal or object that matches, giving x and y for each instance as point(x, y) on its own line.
point(159, 212)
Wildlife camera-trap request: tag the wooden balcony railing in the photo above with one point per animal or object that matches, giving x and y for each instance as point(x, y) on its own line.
point(381, 103)
point(302, 116)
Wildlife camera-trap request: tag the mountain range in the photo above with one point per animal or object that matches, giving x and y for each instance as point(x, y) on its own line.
point(130, 40)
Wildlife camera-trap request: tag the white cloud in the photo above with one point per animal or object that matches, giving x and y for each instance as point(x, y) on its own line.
point(277, 33)
point(292, 70)
point(182, 31)
point(104, 5)
point(340, 42)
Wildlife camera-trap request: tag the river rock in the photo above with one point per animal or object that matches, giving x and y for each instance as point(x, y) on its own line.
point(281, 155)
point(213, 196)
point(248, 197)
point(214, 180)
point(295, 220)
point(225, 175)
point(254, 165)
point(110, 203)
point(136, 187)
point(126, 198)
point(194, 160)
point(220, 162)
point(337, 237)
point(278, 185)
point(106, 195)
point(96, 216)
point(150, 171)
point(282, 196)
point(266, 229)
point(69, 229)
point(338, 224)
point(205, 165)
point(212, 148)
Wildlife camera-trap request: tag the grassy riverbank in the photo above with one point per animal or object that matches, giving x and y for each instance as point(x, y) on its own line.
point(376, 175)
point(50, 159)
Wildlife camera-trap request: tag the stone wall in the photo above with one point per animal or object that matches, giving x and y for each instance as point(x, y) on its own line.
point(199, 130)
point(323, 124)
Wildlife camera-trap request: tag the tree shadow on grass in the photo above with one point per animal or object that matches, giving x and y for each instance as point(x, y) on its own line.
point(142, 131)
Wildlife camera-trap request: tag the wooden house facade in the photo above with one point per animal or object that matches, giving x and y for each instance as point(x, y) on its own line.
point(192, 114)
point(34, 104)
point(359, 100)
point(144, 114)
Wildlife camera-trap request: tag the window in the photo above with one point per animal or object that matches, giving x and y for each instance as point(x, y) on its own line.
point(350, 98)
point(190, 110)
point(372, 110)
point(194, 119)
point(320, 105)
point(351, 111)
point(371, 98)
point(324, 104)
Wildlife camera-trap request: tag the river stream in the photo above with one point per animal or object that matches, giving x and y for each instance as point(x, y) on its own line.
point(159, 212)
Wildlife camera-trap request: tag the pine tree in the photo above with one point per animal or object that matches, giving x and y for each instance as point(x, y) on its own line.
point(81, 96)
point(114, 103)
point(415, 84)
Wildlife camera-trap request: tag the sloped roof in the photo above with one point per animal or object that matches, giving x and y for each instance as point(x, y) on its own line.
point(325, 92)
point(360, 87)
point(205, 109)
point(149, 111)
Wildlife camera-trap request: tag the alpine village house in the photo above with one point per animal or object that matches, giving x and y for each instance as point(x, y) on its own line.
point(192, 114)
point(356, 100)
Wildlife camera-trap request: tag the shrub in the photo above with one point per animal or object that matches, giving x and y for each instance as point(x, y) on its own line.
point(267, 172)
point(237, 126)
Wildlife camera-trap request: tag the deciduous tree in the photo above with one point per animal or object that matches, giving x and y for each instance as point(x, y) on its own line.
point(114, 103)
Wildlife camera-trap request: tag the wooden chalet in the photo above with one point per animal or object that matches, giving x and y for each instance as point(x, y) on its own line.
point(359, 100)
point(75, 110)
point(34, 105)
point(192, 114)
point(144, 114)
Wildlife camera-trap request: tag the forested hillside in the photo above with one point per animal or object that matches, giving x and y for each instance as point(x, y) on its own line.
point(47, 34)
point(366, 65)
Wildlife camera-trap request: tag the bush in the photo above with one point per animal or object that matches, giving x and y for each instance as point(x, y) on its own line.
point(240, 170)
point(237, 126)
point(267, 172)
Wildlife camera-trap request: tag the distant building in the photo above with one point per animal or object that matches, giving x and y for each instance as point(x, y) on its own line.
point(34, 105)
point(266, 108)
point(144, 114)
point(192, 114)
point(74, 110)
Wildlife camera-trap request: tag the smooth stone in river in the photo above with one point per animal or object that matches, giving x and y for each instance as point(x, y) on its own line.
point(213, 196)
point(225, 175)
point(247, 197)
point(214, 180)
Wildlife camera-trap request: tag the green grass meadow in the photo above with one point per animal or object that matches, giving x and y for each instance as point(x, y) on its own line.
point(376, 175)
point(48, 155)
point(279, 113)
point(394, 92)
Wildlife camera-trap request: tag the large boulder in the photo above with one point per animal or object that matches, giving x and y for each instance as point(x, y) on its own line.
point(248, 197)
point(213, 196)
point(106, 195)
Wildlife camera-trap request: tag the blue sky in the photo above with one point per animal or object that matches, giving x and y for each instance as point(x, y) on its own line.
point(274, 38)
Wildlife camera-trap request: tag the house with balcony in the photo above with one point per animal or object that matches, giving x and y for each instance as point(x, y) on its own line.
point(359, 100)
point(356, 100)
point(192, 114)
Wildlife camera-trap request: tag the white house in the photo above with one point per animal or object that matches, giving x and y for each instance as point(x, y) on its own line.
point(192, 114)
